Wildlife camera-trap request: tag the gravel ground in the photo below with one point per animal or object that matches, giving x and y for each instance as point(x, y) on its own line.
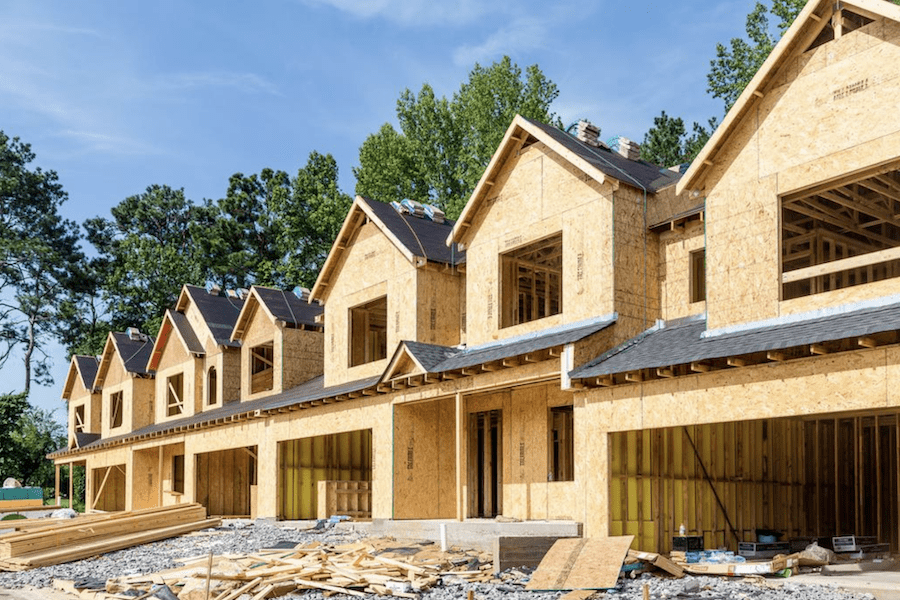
point(238, 537)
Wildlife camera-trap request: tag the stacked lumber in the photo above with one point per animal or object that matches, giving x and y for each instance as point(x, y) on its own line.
point(67, 540)
point(368, 567)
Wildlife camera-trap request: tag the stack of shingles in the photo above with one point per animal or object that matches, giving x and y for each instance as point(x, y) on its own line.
point(63, 541)
point(358, 569)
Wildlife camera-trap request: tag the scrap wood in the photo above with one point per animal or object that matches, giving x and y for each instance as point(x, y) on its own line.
point(657, 560)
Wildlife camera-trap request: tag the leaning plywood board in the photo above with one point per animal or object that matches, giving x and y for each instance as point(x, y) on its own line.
point(581, 564)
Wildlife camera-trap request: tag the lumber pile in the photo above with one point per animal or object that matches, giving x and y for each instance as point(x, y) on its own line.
point(60, 541)
point(371, 566)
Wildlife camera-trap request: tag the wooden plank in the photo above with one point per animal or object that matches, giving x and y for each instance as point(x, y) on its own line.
point(510, 552)
point(658, 560)
point(571, 564)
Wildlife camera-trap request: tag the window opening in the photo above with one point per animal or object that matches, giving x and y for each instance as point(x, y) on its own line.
point(368, 332)
point(698, 275)
point(175, 395)
point(562, 443)
point(531, 282)
point(262, 368)
point(178, 473)
point(115, 410)
point(839, 236)
point(79, 419)
point(211, 387)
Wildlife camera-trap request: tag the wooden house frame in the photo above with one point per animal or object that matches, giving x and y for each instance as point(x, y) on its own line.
point(597, 339)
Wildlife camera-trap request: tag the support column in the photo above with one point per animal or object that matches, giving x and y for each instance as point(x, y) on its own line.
point(57, 484)
point(72, 485)
point(159, 476)
point(460, 457)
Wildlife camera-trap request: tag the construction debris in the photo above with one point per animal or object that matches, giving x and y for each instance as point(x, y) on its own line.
point(40, 542)
point(371, 566)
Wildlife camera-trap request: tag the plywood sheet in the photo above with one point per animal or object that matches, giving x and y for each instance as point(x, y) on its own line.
point(581, 564)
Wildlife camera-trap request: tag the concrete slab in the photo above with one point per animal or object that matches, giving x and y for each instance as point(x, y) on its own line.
point(473, 533)
point(883, 585)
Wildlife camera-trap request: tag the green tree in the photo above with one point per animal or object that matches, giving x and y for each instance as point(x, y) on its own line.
point(152, 246)
point(36, 435)
point(12, 407)
point(736, 64)
point(244, 245)
point(39, 252)
point(312, 220)
point(667, 143)
point(444, 145)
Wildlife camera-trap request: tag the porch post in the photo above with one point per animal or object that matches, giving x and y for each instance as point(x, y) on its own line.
point(71, 485)
point(57, 484)
point(460, 420)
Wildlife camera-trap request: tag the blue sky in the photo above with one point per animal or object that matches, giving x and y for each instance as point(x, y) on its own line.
point(115, 96)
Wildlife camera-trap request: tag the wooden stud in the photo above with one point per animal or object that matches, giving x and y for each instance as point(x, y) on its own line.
point(665, 372)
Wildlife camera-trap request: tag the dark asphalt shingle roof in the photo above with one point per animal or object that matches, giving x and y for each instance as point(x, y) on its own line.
point(135, 353)
point(650, 176)
point(430, 355)
point(288, 307)
point(304, 393)
point(684, 342)
point(440, 359)
point(421, 236)
point(186, 332)
point(87, 367)
point(219, 312)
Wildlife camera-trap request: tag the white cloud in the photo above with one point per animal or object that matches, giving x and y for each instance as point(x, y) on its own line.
point(412, 12)
point(519, 35)
point(96, 141)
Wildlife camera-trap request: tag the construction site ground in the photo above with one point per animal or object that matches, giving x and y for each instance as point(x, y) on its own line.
point(240, 537)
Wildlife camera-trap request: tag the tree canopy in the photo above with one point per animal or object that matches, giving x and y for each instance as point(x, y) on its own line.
point(736, 64)
point(444, 145)
point(668, 143)
point(39, 258)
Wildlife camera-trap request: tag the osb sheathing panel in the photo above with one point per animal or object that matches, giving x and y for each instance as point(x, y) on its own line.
point(137, 400)
point(228, 366)
point(636, 265)
point(833, 112)
point(145, 492)
point(854, 381)
point(371, 267)
point(665, 204)
point(535, 195)
point(174, 360)
point(113, 496)
point(675, 270)
point(92, 404)
point(302, 356)
point(441, 298)
point(424, 460)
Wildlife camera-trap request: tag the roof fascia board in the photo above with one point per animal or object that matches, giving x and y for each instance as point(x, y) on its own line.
point(398, 356)
point(463, 224)
point(692, 178)
point(340, 243)
point(345, 235)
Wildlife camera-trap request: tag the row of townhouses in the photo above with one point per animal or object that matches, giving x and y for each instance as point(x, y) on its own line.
point(596, 339)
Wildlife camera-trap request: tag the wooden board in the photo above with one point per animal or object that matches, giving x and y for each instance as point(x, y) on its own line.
point(581, 564)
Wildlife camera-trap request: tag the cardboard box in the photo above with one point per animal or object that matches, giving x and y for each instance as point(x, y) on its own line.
point(758, 550)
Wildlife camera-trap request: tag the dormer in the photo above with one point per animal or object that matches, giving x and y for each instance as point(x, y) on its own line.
point(555, 233)
point(281, 341)
point(83, 401)
point(197, 365)
point(389, 277)
point(802, 179)
point(126, 384)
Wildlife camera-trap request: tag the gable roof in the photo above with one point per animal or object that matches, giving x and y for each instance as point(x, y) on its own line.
point(83, 368)
point(814, 17)
point(597, 163)
point(420, 240)
point(278, 305)
point(134, 354)
point(177, 322)
point(219, 312)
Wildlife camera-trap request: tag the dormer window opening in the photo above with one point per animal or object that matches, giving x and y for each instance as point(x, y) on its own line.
point(531, 282)
point(368, 332)
point(262, 368)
